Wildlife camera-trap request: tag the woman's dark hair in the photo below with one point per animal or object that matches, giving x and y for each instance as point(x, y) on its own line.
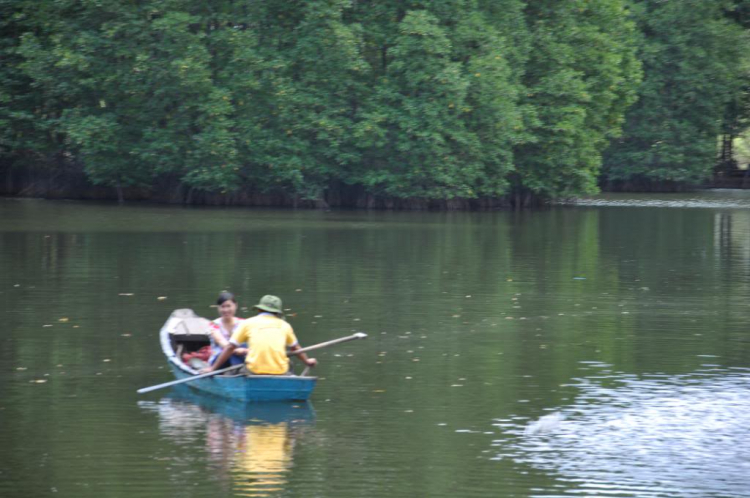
point(224, 297)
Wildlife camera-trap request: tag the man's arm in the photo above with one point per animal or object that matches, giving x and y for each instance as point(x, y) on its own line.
point(223, 357)
point(310, 362)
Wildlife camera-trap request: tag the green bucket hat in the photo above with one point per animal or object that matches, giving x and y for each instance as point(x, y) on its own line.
point(269, 303)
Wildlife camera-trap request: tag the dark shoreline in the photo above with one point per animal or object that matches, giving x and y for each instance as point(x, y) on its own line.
point(74, 185)
point(70, 184)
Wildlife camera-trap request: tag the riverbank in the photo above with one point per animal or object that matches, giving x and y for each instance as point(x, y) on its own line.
point(73, 184)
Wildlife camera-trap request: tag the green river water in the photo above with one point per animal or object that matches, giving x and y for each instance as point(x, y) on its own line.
point(594, 349)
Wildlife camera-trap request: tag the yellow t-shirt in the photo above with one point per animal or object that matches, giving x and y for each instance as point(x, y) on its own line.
point(267, 337)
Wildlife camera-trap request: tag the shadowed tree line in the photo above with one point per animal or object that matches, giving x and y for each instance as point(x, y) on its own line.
point(357, 103)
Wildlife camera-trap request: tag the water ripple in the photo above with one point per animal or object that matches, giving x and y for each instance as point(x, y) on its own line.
point(705, 199)
point(664, 436)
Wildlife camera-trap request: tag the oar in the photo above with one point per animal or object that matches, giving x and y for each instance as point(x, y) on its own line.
point(358, 335)
point(188, 379)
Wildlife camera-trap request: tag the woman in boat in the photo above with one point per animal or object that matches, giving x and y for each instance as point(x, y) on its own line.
point(268, 336)
point(222, 329)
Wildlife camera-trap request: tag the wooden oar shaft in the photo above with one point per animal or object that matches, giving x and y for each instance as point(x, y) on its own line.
point(358, 335)
point(188, 379)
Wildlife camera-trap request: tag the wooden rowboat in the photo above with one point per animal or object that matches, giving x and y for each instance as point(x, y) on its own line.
point(185, 332)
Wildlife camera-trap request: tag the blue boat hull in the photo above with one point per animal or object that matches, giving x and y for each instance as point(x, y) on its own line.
point(270, 412)
point(252, 388)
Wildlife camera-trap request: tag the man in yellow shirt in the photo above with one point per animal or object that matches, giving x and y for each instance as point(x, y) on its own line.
point(267, 336)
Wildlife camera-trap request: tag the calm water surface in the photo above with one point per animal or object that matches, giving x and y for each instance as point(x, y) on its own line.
point(594, 349)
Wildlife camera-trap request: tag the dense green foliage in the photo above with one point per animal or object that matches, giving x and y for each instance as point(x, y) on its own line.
point(580, 80)
point(695, 66)
point(401, 99)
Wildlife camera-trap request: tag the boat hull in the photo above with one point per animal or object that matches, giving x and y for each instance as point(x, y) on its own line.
point(252, 388)
point(271, 412)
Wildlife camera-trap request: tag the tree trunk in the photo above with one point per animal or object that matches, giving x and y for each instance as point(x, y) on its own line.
point(120, 196)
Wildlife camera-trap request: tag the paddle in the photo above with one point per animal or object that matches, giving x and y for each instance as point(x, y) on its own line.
point(358, 335)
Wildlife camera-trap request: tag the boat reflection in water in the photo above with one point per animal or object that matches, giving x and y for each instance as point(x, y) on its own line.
point(248, 446)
